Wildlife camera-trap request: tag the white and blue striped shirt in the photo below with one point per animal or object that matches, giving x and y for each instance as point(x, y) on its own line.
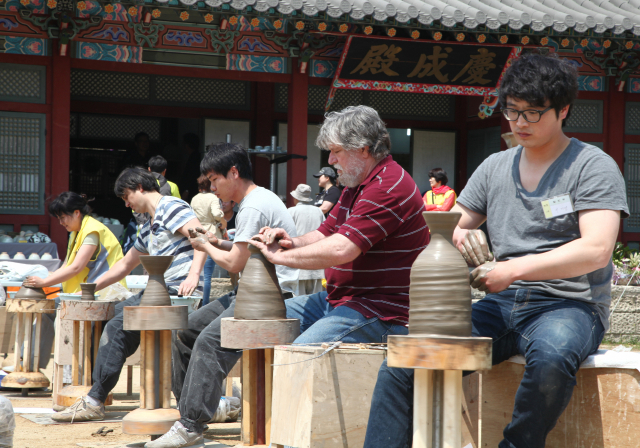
point(162, 238)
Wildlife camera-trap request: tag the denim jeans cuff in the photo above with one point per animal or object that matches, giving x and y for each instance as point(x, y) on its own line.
point(192, 426)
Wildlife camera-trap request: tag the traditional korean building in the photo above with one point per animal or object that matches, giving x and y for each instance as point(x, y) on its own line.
point(79, 79)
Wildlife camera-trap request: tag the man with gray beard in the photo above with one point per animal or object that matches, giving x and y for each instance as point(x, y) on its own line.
point(367, 244)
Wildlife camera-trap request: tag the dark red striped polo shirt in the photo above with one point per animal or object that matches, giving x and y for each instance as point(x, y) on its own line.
point(382, 216)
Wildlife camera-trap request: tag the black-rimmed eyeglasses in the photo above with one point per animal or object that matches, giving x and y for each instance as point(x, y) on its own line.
point(530, 115)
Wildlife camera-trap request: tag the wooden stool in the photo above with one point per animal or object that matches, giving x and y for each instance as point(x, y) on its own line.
point(257, 338)
point(26, 376)
point(82, 313)
point(437, 398)
point(155, 416)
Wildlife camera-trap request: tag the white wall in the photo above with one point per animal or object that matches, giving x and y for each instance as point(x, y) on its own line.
point(313, 157)
point(215, 131)
point(433, 149)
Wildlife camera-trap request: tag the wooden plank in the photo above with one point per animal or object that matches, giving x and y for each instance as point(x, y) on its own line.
point(452, 416)
point(7, 330)
point(155, 318)
point(97, 333)
point(75, 360)
point(36, 344)
point(264, 333)
point(92, 310)
point(471, 410)
point(249, 401)
point(31, 306)
point(165, 369)
point(439, 352)
point(268, 390)
point(63, 351)
point(86, 363)
point(28, 342)
point(422, 408)
point(149, 370)
point(129, 380)
point(58, 374)
point(143, 344)
point(602, 413)
point(19, 338)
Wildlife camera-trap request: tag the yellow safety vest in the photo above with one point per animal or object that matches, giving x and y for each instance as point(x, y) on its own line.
point(109, 252)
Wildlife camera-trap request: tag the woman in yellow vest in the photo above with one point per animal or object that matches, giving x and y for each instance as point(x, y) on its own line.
point(440, 198)
point(92, 250)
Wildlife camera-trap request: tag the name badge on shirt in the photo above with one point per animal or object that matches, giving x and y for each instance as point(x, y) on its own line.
point(557, 206)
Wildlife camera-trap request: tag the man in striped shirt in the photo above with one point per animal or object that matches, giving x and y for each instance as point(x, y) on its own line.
point(166, 233)
point(367, 244)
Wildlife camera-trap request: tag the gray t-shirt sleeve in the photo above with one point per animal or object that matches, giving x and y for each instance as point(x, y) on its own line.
point(249, 221)
point(601, 187)
point(474, 194)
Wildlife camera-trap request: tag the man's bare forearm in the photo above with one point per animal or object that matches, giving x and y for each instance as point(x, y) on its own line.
point(223, 245)
point(306, 239)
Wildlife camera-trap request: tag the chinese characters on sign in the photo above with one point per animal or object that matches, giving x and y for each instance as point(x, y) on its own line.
point(422, 62)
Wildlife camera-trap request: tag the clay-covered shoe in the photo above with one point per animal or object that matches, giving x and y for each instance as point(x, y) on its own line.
point(80, 411)
point(177, 437)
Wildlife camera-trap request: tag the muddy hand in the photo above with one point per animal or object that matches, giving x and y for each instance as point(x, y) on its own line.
point(192, 233)
point(477, 277)
point(475, 248)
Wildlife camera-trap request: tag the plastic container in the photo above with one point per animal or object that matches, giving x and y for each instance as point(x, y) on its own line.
point(7, 423)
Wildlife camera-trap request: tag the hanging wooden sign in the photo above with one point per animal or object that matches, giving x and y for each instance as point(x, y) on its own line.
point(398, 65)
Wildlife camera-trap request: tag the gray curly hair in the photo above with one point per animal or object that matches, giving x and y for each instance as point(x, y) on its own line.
point(355, 127)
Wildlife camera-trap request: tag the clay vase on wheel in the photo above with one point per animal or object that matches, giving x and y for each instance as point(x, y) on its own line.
point(259, 294)
point(88, 291)
point(26, 292)
point(439, 294)
point(156, 294)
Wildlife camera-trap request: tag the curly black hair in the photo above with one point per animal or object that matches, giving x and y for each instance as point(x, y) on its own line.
point(537, 78)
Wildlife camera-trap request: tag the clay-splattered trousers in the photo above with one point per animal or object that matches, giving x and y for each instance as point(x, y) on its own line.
point(554, 335)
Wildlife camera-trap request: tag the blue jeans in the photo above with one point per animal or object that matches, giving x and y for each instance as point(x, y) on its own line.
point(320, 322)
point(554, 335)
point(209, 265)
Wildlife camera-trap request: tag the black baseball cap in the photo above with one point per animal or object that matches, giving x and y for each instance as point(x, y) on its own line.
point(326, 171)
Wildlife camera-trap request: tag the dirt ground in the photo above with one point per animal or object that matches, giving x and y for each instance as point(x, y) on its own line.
point(32, 435)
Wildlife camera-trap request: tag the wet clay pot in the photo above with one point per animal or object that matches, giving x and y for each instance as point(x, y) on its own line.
point(440, 295)
point(156, 294)
point(88, 291)
point(30, 293)
point(259, 294)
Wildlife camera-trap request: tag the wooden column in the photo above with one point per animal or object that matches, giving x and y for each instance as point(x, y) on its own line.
point(297, 128)
point(461, 143)
point(614, 125)
point(263, 127)
point(60, 130)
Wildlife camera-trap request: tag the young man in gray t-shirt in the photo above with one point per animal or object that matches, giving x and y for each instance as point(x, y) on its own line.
point(200, 364)
point(553, 207)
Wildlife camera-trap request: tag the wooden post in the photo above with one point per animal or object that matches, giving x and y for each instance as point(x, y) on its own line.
point(97, 333)
point(59, 154)
point(19, 339)
point(75, 363)
point(36, 347)
point(28, 329)
point(422, 407)
point(249, 399)
point(297, 118)
point(452, 428)
point(149, 373)
point(143, 352)
point(165, 369)
point(268, 388)
point(86, 364)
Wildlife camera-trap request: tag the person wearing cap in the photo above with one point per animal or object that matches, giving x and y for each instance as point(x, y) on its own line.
point(330, 193)
point(307, 218)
